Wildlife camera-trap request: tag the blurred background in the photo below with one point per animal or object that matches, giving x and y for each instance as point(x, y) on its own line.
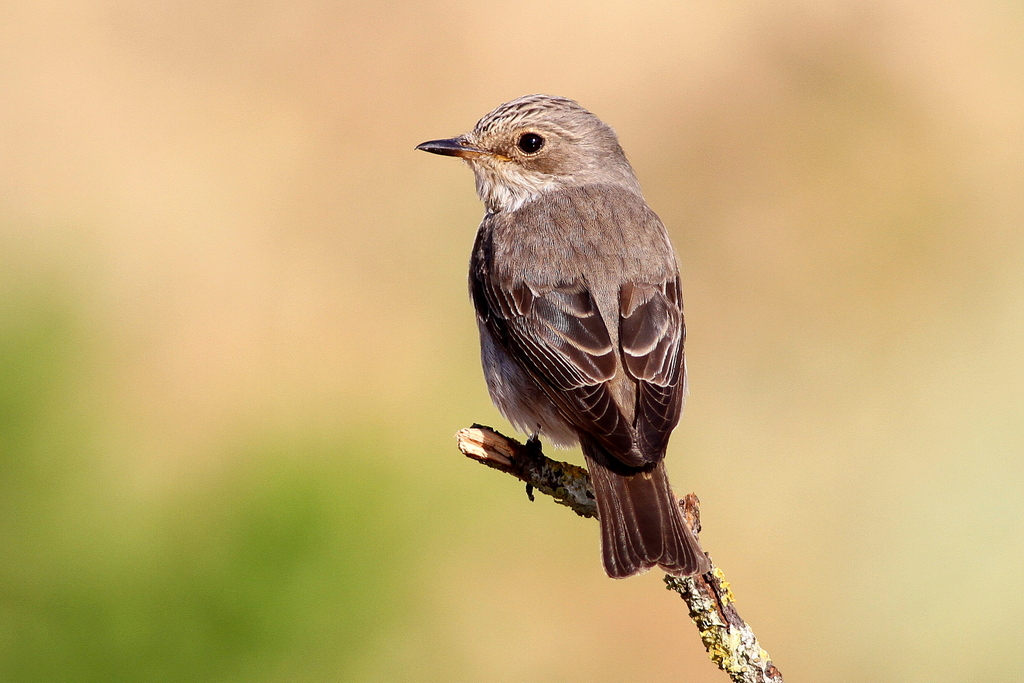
point(236, 341)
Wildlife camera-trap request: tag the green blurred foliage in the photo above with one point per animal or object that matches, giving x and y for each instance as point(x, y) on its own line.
point(274, 574)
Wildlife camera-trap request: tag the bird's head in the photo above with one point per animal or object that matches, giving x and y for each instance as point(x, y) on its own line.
point(535, 144)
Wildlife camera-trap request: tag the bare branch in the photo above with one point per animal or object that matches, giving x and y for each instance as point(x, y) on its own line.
point(730, 642)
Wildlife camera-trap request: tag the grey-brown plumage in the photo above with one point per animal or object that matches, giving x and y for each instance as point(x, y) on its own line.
point(577, 294)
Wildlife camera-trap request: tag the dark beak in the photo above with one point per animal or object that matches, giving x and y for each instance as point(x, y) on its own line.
point(452, 147)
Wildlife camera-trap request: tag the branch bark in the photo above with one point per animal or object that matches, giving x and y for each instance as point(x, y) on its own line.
point(729, 640)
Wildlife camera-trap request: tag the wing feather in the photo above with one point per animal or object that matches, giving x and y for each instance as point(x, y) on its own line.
point(652, 334)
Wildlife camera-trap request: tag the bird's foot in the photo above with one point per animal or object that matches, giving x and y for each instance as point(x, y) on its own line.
point(533, 450)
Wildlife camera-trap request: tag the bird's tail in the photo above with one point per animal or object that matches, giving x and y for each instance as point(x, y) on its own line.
point(641, 522)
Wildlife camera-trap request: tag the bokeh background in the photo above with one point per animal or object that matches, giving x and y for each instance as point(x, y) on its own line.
point(235, 339)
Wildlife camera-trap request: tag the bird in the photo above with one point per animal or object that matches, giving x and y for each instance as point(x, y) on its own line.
point(578, 302)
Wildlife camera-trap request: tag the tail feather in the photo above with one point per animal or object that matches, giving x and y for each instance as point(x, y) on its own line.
point(641, 523)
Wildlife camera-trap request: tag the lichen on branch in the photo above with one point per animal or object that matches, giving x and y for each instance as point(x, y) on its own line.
point(729, 640)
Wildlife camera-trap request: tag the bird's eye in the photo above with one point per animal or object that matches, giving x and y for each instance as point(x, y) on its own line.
point(530, 143)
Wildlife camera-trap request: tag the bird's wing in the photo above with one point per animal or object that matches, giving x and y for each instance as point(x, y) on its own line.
point(651, 335)
point(557, 335)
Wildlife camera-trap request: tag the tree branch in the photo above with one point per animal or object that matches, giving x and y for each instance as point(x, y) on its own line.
point(730, 642)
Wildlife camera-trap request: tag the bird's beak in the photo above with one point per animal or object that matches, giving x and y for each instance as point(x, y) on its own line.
point(452, 147)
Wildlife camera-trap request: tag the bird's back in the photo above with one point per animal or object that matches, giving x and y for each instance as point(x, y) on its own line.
point(580, 247)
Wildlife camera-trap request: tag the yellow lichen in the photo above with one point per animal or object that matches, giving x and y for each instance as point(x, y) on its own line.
point(724, 650)
point(726, 596)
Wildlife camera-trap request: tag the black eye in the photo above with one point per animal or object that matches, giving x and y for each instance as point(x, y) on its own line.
point(530, 142)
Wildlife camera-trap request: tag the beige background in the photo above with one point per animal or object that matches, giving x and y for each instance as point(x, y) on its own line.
point(235, 339)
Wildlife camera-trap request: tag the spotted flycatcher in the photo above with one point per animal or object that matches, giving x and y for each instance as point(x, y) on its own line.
point(577, 297)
